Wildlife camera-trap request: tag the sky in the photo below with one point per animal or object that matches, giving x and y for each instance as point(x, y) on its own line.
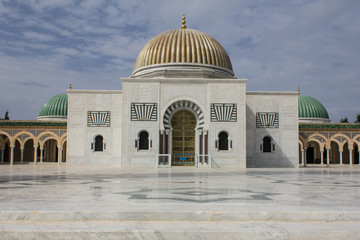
point(277, 45)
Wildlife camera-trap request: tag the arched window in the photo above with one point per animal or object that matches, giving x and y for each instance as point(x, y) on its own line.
point(99, 145)
point(223, 141)
point(267, 145)
point(143, 140)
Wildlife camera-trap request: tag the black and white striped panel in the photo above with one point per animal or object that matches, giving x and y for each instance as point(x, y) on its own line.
point(143, 111)
point(98, 119)
point(223, 112)
point(267, 120)
point(183, 104)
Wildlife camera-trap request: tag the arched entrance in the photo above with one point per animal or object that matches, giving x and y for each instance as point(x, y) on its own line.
point(183, 124)
point(50, 153)
point(346, 154)
point(334, 153)
point(313, 154)
point(29, 151)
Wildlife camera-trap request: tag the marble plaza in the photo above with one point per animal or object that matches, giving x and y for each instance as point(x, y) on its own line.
point(52, 202)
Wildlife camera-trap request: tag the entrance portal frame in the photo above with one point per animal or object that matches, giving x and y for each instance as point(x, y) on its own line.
point(200, 122)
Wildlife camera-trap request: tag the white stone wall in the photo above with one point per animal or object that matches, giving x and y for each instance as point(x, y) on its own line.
point(139, 92)
point(80, 136)
point(285, 137)
point(228, 93)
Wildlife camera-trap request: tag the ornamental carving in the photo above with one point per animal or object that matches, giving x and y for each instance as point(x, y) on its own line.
point(267, 120)
point(98, 119)
point(223, 112)
point(143, 111)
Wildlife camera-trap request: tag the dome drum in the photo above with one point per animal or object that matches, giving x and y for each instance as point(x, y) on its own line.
point(179, 70)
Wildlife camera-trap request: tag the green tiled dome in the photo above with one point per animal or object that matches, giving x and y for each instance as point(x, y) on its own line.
point(55, 106)
point(309, 107)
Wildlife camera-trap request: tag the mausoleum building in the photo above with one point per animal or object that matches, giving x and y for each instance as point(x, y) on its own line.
point(181, 106)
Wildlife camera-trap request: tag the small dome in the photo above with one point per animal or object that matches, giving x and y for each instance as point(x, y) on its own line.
point(184, 47)
point(55, 109)
point(311, 110)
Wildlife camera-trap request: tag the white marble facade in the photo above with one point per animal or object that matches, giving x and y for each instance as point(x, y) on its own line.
point(246, 137)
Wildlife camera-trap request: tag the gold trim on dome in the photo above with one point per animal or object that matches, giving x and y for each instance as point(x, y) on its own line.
point(183, 46)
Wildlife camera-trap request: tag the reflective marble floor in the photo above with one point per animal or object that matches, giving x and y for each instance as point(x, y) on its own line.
point(179, 194)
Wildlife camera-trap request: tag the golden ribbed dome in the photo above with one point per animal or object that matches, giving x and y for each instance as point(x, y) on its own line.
point(183, 46)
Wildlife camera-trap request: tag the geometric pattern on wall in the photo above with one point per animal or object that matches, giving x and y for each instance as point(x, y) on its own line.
point(143, 111)
point(267, 120)
point(98, 119)
point(223, 112)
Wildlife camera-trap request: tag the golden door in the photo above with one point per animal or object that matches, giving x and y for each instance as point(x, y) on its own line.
point(183, 124)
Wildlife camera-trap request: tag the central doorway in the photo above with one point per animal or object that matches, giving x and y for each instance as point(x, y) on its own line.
point(183, 124)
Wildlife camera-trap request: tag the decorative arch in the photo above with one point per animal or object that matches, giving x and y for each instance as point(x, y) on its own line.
point(11, 139)
point(22, 140)
point(184, 104)
point(23, 133)
point(321, 144)
point(342, 143)
point(47, 135)
point(356, 137)
point(42, 142)
point(318, 137)
point(63, 139)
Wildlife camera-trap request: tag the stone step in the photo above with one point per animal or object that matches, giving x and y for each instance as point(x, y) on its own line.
point(178, 230)
point(210, 216)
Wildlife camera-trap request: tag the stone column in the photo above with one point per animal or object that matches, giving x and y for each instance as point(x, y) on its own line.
point(205, 158)
point(328, 156)
point(350, 157)
point(201, 152)
point(41, 154)
point(322, 157)
point(161, 142)
point(12, 155)
point(22, 155)
point(35, 154)
point(60, 156)
point(341, 157)
point(305, 149)
point(302, 158)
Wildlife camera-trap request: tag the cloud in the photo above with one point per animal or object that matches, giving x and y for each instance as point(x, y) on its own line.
point(38, 36)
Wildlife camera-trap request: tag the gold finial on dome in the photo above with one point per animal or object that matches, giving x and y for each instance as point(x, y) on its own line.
point(183, 26)
point(70, 86)
point(298, 89)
